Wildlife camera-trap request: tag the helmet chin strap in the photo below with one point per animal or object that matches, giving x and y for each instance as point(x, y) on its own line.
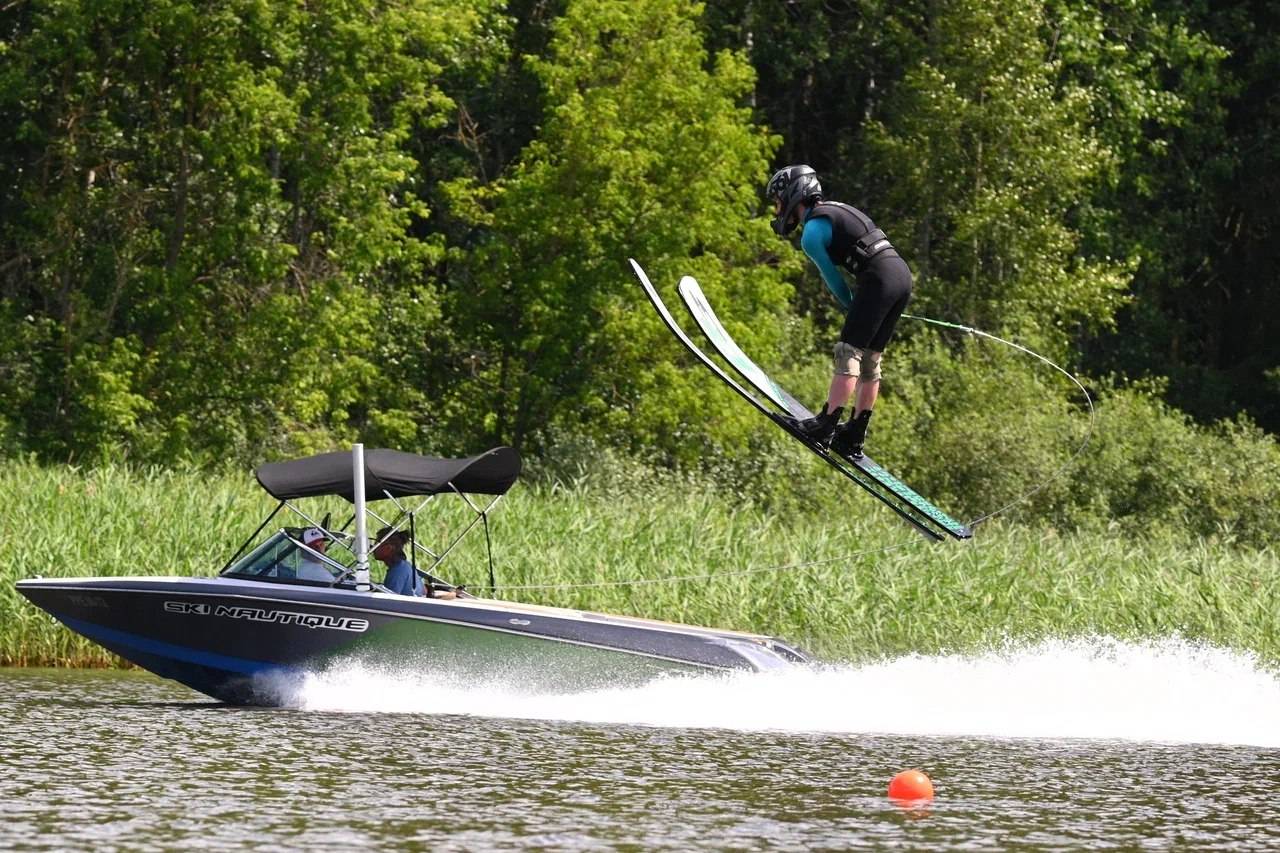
point(783, 229)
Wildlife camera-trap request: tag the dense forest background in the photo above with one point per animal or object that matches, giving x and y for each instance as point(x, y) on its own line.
point(239, 229)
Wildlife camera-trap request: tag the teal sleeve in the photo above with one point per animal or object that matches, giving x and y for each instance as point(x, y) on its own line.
point(815, 239)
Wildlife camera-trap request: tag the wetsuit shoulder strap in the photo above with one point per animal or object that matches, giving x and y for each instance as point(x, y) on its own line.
point(870, 243)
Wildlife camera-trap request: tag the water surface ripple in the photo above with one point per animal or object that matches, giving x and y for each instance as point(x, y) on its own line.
point(127, 761)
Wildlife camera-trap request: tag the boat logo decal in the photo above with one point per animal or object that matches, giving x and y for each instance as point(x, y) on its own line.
point(259, 614)
point(187, 607)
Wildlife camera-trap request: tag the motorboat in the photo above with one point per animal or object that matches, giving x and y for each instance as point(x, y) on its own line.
point(284, 607)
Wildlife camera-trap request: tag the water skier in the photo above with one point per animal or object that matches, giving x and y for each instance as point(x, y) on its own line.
point(835, 235)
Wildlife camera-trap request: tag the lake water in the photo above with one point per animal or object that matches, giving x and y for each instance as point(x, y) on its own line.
point(1065, 745)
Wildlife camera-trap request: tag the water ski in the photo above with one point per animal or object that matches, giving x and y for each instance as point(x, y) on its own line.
point(922, 515)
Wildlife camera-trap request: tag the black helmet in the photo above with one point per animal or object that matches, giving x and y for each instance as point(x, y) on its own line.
point(791, 186)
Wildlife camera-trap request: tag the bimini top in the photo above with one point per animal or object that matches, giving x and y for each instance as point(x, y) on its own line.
point(391, 472)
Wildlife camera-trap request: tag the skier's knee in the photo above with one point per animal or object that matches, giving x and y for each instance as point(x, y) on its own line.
point(856, 361)
point(870, 362)
point(848, 359)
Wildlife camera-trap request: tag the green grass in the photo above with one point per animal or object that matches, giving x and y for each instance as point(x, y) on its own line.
point(856, 585)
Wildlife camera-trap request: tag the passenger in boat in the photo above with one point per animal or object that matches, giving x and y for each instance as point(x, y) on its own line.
point(310, 567)
point(401, 577)
point(838, 235)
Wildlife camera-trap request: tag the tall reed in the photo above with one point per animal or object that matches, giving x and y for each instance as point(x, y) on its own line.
point(851, 586)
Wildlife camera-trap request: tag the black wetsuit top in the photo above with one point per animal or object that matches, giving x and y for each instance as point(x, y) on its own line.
point(832, 234)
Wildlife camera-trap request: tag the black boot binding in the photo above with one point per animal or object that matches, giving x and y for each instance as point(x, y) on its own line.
point(850, 437)
point(820, 427)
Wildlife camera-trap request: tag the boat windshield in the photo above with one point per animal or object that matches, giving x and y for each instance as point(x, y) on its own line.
point(284, 559)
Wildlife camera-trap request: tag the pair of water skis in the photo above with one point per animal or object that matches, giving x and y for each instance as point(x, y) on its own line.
point(780, 408)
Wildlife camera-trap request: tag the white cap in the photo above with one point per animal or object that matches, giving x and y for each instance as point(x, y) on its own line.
point(311, 534)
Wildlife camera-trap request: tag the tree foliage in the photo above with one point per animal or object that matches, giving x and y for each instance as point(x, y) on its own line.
point(1192, 97)
point(647, 153)
point(986, 155)
point(244, 228)
point(196, 197)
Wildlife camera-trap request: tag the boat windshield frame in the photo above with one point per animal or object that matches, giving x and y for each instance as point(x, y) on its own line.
point(271, 552)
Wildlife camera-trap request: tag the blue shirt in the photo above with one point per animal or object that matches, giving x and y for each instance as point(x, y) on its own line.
point(815, 240)
point(403, 580)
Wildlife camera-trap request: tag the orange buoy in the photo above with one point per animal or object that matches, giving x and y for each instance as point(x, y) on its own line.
point(910, 785)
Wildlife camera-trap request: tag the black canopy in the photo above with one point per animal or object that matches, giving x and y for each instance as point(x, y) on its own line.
point(391, 472)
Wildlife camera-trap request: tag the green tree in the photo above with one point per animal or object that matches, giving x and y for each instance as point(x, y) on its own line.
point(645, 152)
point(1189, 96)
point(194, 200)
point(986, 153)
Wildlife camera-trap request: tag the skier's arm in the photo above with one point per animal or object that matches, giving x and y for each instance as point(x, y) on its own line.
point(814, 240)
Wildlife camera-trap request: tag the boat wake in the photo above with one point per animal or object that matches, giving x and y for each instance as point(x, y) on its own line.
point(1169, 690)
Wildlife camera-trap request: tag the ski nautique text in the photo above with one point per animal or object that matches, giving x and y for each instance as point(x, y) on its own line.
point(259, 614)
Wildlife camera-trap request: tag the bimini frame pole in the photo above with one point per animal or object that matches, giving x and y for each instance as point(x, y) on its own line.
point(362, 540)
point(252, 536)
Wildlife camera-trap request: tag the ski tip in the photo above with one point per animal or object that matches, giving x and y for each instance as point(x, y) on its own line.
point(640, 274)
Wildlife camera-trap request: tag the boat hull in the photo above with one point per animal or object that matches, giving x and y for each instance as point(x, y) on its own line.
point(251, 643)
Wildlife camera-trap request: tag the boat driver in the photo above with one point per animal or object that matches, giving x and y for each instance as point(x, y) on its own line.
point(310, 566)
point(401, 577)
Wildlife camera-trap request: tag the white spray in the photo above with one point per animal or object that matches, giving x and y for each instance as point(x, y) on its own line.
point(1169, 690)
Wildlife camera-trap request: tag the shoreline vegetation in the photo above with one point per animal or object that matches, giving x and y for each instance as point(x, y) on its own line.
point(846, 581)
point(217, 251)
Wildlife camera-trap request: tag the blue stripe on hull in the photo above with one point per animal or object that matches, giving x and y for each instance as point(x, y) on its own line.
point(155, 648)
point(229, 679)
